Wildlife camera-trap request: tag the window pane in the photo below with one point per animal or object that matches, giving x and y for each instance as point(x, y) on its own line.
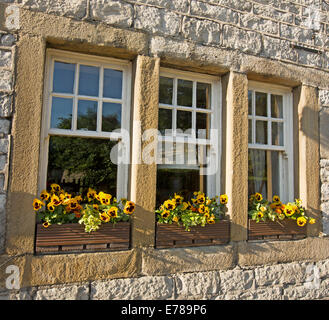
point(184, 120)
point(202, 125)
point(89, 81)
point(275, 173)
point(250, 102)
point(79, 163)
point(112, 87)
point(63, 77)
point(276, 106)
point(277, 133)
point(257, 172)
point(166, 90)
point(87, 115)
point(111, 118)
point(165, 120)
point(184, 93)
point(261, 132)
point(249, 131)
point(61, 113)
point(261, 104)
point(182, 181)
point(203, 91)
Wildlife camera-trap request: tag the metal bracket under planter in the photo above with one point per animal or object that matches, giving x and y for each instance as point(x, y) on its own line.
point(72, 237)
point(269, 230)
point(174, 236)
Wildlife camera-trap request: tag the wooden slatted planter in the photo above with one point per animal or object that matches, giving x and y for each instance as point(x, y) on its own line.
point(173, 236)
point(72, 237)
point(283, 230)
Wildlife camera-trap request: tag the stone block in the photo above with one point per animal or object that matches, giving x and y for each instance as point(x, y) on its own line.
point(70, 8)
point(67, 292)
point(148, 288)
point(4, 126)
point(175, 5)
point(324, 97)
point(5, 80)
point(7, 40)
point(273, 13)
point(296, 33)
point(325, 191)
point(3, 162)
point(157, 20)
point(202, 31)
point(255, 23)
point(245, 41)
point(216, 12)
point(4, 143)
point(5, 59)
point(5, 109)
point(112, 12)
point(199, 284)
point(236, 279)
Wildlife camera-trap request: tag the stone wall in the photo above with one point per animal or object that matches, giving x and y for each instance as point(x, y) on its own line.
point(7, 52)
point(289, 281)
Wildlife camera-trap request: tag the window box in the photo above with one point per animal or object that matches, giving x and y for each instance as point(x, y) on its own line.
point(284, 230)
point(72, 237)
point(172, 235)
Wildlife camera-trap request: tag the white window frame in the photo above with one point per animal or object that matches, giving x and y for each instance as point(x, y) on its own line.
point(53, 55)
point(214, 112)
point(286, 160)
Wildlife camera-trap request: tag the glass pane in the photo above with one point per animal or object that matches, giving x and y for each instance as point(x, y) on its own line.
point(184, 93)
point(181, 181)
point(63, 77)
point(277, 133)
point(276, 106)
point(261, 132)
point(87, 115)
point(250, 102)
point(166, 90)
point(249, 131)
point(165, 120)
point(111, 116)
point(78, 163)
point(261, 104)
point(184, 120)
point(112, 87)
point(89, 81)
point(202, 125)
point(275, 173)
point(257, 172)
point(203, 98)
point(61, 113)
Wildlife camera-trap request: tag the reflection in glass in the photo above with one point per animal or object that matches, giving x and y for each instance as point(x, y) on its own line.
point(89, 81)
point(111, 116)
point(166, 90)
point(61, 113)
point(257, 172)
point(275, 164)
point(184, 120)
point(184, 93)
point(276, 106)
point(250, 102)
point(203, 91)
point(202, 125)
point(165, 120)
point(261, 132)
point(112, 87)
point(184, 181)
point(277, 133)
point(249, 131)
point(261, 104)
point(63, 77)
point(87, 115)
point(79, 163)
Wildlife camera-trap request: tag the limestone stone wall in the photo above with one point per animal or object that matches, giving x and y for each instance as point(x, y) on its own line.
point(7, 52)
point(288, 281)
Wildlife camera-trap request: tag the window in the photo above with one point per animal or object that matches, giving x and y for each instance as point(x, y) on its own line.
point(87, 101)
point(270, 138)
point(189, 140)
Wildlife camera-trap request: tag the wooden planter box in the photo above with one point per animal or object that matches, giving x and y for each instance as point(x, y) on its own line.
point(72, 237)
point(172, 235)
point(283, 230)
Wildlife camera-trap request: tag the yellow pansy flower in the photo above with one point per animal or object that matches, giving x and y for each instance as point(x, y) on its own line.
point(223, 199)
point(37, 204)
point(301, 221)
